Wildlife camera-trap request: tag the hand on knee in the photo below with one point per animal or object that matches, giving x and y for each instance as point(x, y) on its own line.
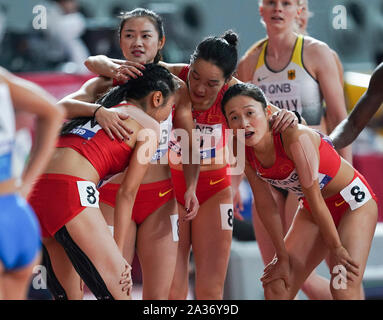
point(276, 290)
point(126, 280)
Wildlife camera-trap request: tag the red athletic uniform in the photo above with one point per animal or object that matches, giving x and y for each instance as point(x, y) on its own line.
point(283, 175)
point(212, 125)
point(58, 198)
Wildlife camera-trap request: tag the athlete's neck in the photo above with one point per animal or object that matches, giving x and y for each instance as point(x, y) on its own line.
point(265, 147)
point(280, 44)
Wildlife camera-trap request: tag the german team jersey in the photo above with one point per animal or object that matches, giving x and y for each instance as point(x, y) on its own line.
point(283, 174)
point(211, 125)
point(292, 88)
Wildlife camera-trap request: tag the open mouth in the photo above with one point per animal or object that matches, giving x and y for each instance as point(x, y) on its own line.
point(137, 53)
point(277, 19)
point(248, 134)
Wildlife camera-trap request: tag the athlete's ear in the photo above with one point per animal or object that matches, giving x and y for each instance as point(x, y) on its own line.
point(162, 42)
point(157, 99)
point(260, 10)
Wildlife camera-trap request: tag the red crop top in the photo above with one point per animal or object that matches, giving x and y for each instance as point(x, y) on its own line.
point(107, 156)
point(283, 174)
point(211, 123)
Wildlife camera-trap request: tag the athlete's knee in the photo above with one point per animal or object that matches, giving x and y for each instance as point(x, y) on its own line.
point(178, 292)
point(276, 290)
point(209, 291)
point(349, 291)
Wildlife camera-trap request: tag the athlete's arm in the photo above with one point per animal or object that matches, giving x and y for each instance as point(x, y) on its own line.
point(348, 130)
point(326, 72)
point(248, 62)
point(121, 70)
point(82, 104)
point(31, 98)
point(302, 147)
point(126, 195)
point(183, 119)
point(267, 209)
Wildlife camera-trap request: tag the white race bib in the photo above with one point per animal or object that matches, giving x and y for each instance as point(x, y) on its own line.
point(89, 195)
point(175, 226)
point(356, 194)
point(227, 216)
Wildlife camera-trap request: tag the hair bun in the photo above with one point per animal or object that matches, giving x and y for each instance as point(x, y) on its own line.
point(231, 37)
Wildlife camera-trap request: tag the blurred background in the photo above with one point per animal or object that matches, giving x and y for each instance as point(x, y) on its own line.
point(47, 42)
point(93, 22)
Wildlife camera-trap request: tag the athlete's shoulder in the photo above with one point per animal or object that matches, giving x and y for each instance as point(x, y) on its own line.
point(316, 47)
point(250, 58)
point(292, 134)
point(255, 49)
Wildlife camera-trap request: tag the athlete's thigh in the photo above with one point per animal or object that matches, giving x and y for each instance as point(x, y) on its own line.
point(91, 233)
point(155, 237)
point(290, 210)
point(63, 269)
point(262, 237)
point(157, 243)
point(305, 247)
point(16, 282)
point(356, 230)
point(212, 232)
point(130, 241)
point(108, 213)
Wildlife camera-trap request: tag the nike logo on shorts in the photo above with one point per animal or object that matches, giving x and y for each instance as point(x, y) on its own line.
point(160, 194)
point(338, 204)
point(212, 183)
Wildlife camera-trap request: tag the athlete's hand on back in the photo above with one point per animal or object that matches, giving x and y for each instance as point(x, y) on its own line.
point(112, 122)
point(283, 119)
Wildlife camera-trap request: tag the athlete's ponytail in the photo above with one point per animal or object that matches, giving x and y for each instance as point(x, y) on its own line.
point(154, 78)
point(221, 51)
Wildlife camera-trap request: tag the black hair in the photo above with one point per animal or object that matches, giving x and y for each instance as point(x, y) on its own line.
point(244, 89)
point(154, 78)
point(144, 13)
point(221, 51)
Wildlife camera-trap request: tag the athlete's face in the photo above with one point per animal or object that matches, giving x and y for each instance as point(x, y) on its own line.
point(205, 80)
point(244, 112)
point(139, 40)
point(279, 14)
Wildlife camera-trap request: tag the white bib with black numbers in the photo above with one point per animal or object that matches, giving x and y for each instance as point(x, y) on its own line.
point(356, 194)
point(89, 195)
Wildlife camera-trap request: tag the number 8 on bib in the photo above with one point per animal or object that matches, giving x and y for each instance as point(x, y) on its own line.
point(88, 194)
